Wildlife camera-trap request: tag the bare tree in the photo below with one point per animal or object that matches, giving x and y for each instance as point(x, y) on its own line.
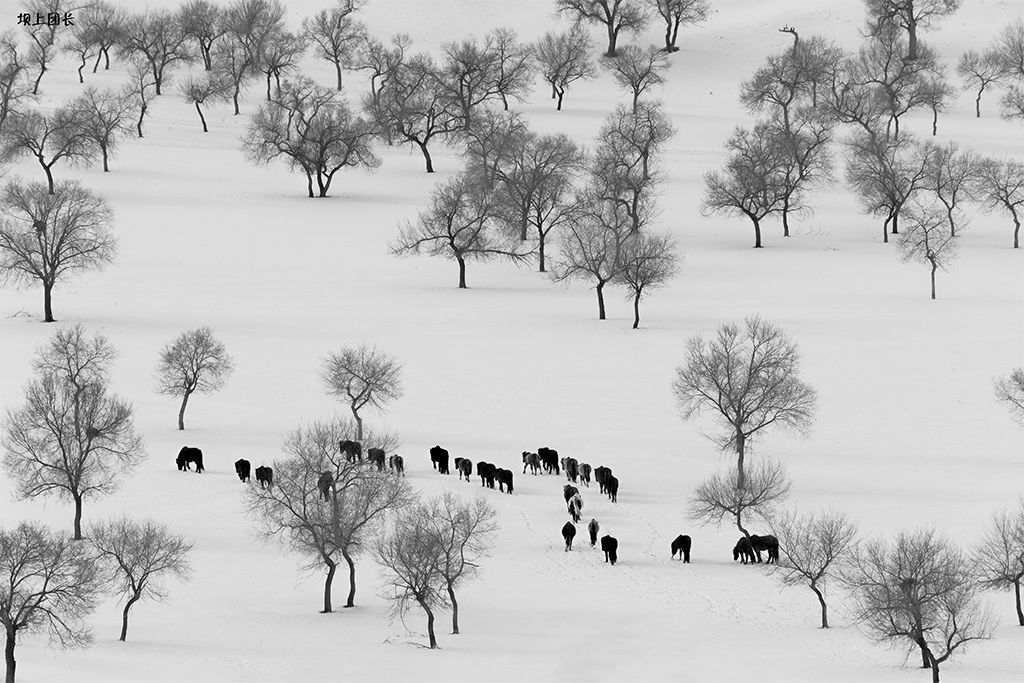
point(250, 26)
point(47, 582)
point(469, 74)
point(649, 262)
point(81, 43)
point(323, 526)
point(105, 24)
point(614, 15)
point(42, 37)
point(1011, 47)
point(980, 70)
point(936, 94)
point(1001, 186)
point(234, 63)
point(676, 13)
point(515, 65)
point(72, 438)
point(908, 15)
point(209, 87)
point(805, 158)
point(636, 69)
point(919, 591)
point(49, 138)
point(46, 237)
point(313, 130)
point(280, 57)
point(203, 23)
point(1010, 390)
point(15, 86)
point(1000, 555)
point(1011, 104)
point(952, 177)
point(725, 496)
point(750, 378)
point(564, 58)
point(106, 116)
point(194, 362)
point(811, 548)
point(926, 239)
point(136, 556)
point(335, 34)
point(141, 89)
point(382, 62)
point(459, 225)
point(158, 39)
point(362, 376)
point(492, 142)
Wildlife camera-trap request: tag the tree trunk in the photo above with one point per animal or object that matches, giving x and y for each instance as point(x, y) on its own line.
point(912, 41)
point(561, 94)
point(309, 184)
point(824, 608)
point(202, 118)
point(49, 177)
point(337, 68)
point(600, 301)
point(234, 98)
point(977, 103)
point(323, 186)
point(462, 271)
point(636, 309)
point(934, 268)
point(332, 567)
point(104, 152)
point(935, 672)
point(124, 615)
point(540, 252)
point(158, 83)
point(952, 223)
point(47, 301)
point(896, 220)
point(426, 157)
point(1016, 229)
point(9, 654)
point(99, 56)
point(739, 524)
point(636, 96)
point(1016, 593)
point(35, 88)
point(207, 63)
point(455, 611)
point(78, 517)
point(613, 37)
point(741, 447)
point(181, 410)
point(268, 86)
point(785, 216)
point(926, 662)
point(359, 423)
point(757, 233)
point(81, 66)
point(430, 625)
point(935, 122)
point(669, 43)
point(142, 115)
point(504, 100)
point(351, 602)
point(106, 59)
point(885, 229)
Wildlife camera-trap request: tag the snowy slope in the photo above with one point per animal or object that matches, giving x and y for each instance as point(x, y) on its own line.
point(908, 433)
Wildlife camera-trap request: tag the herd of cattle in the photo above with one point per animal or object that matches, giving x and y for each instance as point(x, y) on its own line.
point(747, 550)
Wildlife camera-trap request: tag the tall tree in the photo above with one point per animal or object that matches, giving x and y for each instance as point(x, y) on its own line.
point(676, 13)
point(615, 15)
point(157, 38)
point(980, 70)
point(952, 177)
point(650, 261)
point(909, 15)
point(106, 116)
point(1000, 554)
point(195, 361)
point(280, 57)
point(362, 376)
point(335, 34)
point(203, 23)
point(209, 87)
point(1001, 186)
point(43, 36)
point(515, 65)
point(725, 496)
point(636, 69)
point(15, 83)
point(141, 89)
point(49, 138)
point(564, 58)
point(105, 24)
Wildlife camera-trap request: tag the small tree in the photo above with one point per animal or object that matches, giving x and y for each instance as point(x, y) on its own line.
point(106, 117)
point(650, 261)
point(46, 582)
point(980, 70)
point(105, 24)
point(335, 34)
point(81, 44)
point(209, 87)
point(313, 131)
point(725, 496)
point(927, 240)
point(280, 57)
point(676, 13)
point(203, 23)
point(1011, 48)
point(515, 66)
point(15, 84)
point(952, 177)
point(936, 94)
point(1001, 186)
point(459, 225)
point(141, 89)
point(564, 58)
point(464, 532)
point(158, 39)
point(46, 237)
point(1000, 555)
point(136, 556)
point(1010, 390)
point(908, 15)
point(235, 64)
point(194, 362)
point(72, 438)
point(492, 142)
point(750, 378)
point(362, 376)
point(614, 15)
point(811, 548)
point(919, 591)
point(805, 160)
point(1011, 104)
point(636, 69)
point(49, 138)
point(42, 36)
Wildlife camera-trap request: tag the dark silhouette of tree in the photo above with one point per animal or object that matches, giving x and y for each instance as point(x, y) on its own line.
point(157, 38)
point(564, 58)
point(203, 23)
point(908, 15)
point(335, 34)
point(15, 85)
point(80, 43)
point(615, 15)
point(927, 239)
point(362, 376)
point(1010, 390)
point(952, 177)
point(636, 69)
point(980, 70)
point(936, 94)
point(42, 36)
point(649, 261)
point(212, 86)
point(465, 533)
point(141, 89)
point(676, 13)
point(1011, 104)
point(491, 142)
point(106, 116)
point(194, 362)
point(280, 57)
point(105, 25)
point(730, 496)
point(49, 138)
point(1000, 554)
point(515, 65)
point(1001, 186)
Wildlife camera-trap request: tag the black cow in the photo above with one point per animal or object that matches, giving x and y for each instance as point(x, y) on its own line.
point(397, 463)
point(324, 484)
point(610, 546)
point(601, 475)
point(485, 471)
point(572, 468)
point(593, 527)
point(549, 458)
point(568, 491)
point(768, 543)
point(611, 485)
point(504, 479)
point(265, 477)
point(352, 450)
point(439, 459)
point(682, 546)
point(568, 533)
point(376, 456)
point(585, 474)
point(464, 466)
point(531, 460)
point(743, 551)
point(242, 469)
point(188, 455)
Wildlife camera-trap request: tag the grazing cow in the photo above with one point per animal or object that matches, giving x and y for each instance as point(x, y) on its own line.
point(324, 484)
point(568, 491)
point(504, 478)
point(265, 477)
point(531, 460)
point(352, 450)
point(485, 471)
point(593, 527)
point(397, 463)
point(611, 485)
point(610, 546)
point(242, 469)
point(549, 458)
point(585, 474)
point(439, 459)
point(682, 546)
point(601, 475)
point(568, 533)
point(188, 455)
point(768, 543)
point(376, 457)
point(575, 506)
point(743, 551)
point(572, 469)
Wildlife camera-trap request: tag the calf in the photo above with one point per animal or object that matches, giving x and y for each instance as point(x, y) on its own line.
point(242, 469)
point(610, 546)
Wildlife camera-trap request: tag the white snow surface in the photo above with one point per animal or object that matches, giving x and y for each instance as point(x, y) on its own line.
point(908, 432)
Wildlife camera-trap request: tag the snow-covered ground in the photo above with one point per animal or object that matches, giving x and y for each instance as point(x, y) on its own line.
point(908, 432)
